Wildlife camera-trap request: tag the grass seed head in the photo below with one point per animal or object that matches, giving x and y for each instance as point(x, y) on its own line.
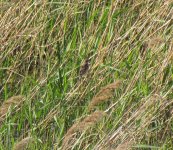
point(23, 144)
point(82, 126)
point(104, 94)
point(13, 101)
point(125, 145)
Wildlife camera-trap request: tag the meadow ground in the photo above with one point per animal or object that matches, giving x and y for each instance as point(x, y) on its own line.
point(86, 74)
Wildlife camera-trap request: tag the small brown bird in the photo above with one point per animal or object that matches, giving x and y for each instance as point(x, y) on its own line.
point(84, 68)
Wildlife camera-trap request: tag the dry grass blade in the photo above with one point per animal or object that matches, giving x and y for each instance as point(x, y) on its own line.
point(104, 94)
point(23, 144)
point(82, 126)
point(13, 101)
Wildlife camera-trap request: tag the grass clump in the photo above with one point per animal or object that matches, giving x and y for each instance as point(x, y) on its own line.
point(66, 59)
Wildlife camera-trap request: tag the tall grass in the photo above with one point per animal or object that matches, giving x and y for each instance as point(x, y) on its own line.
point(66, 58)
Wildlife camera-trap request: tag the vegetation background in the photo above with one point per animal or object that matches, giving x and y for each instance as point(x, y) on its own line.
point(86, 74)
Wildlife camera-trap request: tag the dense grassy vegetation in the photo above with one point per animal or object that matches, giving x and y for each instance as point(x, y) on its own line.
point(86, 74)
